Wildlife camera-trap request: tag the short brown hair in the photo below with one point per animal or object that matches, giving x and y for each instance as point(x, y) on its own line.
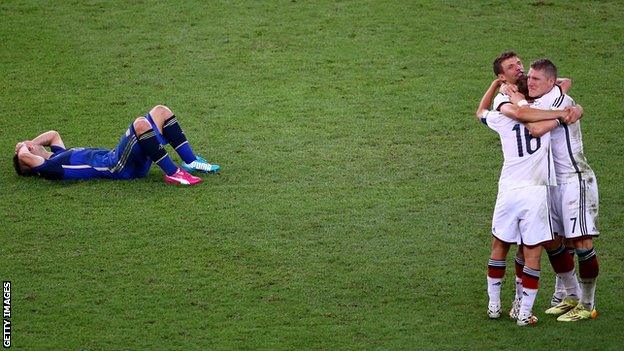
point(497, 65)
point(18, 168)
point(546, 66)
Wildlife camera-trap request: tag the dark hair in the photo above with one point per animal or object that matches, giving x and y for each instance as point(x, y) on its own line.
point(18, 168)
point(523, 87)
point(546, 66)
point(497, 65)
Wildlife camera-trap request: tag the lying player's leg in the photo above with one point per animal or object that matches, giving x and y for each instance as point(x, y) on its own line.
point(167, 123)
point(149, 146)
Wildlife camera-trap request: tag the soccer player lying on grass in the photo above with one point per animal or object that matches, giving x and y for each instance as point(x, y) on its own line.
point(521, 214)
point(141, 145)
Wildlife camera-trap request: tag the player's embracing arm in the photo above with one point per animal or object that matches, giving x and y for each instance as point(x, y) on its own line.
point(522, 114)
point(572, 111)
point(487, 98)
point(525, 114)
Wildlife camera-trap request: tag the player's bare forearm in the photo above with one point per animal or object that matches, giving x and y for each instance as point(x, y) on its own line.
point(487, 98)
point(539, 128)
point(527, 114)
point(48, 138)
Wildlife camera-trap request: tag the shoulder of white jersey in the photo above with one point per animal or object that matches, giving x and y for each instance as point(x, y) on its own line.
point(499, 100)
point(496, 120)
point(559, 99)
point(484, 117)
point(563, 102)
point(568, 101)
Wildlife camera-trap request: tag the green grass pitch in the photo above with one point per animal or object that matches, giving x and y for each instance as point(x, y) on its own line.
point(353, 210)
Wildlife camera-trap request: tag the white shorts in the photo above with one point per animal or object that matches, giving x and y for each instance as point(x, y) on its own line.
point(574, 208)
point(522, 216)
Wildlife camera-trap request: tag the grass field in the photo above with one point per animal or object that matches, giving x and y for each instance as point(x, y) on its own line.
point(353, 210)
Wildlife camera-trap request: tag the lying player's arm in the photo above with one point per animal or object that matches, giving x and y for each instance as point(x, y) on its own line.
point(487, 98)
point(49, 138)
point(29, 159)
point(526, 114)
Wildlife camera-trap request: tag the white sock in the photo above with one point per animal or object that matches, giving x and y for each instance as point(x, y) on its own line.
point(560, 290)
point(494, 290)
point(569, 284)
point(518, 288)
point(588, 288)
point(528, 299)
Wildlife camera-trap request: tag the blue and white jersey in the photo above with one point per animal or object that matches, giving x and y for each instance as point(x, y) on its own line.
point(76, 163)
point(527, 160)
point(125, 161)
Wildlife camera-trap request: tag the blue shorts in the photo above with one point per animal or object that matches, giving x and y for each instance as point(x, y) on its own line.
point(128, 159)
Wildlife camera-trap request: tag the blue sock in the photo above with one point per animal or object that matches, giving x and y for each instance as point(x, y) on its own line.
point(156, 152)
point(175, 136)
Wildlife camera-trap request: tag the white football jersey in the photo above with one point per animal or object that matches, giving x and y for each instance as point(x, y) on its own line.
point(566, 140)
point(499, 100)
point(527, 160)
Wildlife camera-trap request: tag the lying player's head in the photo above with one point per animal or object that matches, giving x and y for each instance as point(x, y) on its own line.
point(542, 77)
point(508, 67)
point(20, 168)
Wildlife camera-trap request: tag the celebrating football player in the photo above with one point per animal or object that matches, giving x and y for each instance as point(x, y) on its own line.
point(508, 68)
point(574, 201)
